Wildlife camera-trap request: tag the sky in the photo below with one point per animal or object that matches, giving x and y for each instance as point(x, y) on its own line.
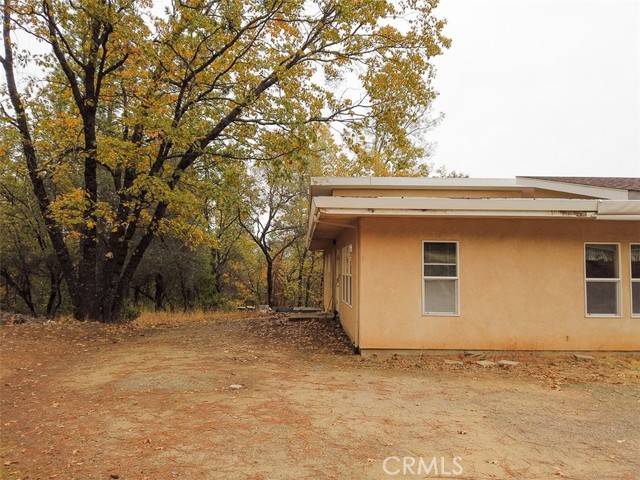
point(533, 87)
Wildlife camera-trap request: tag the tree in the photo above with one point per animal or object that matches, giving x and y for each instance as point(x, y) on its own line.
point(174, 281)
point(301, 274)
point(393, 144)
point(28, 266)
point(269, 214)
point(442, 172)
point(225, 232)
point(134, 108)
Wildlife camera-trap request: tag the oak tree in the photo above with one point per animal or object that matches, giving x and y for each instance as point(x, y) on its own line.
point(133, 107)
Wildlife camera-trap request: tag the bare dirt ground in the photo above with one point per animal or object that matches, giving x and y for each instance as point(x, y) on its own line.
point(154, 401)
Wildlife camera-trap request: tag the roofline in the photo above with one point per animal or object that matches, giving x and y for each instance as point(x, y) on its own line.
point(575, 188)
point(394, 182)
point(475, 207)
point(322, 186)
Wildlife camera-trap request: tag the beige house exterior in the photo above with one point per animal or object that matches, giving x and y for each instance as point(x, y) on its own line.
point(533, 263)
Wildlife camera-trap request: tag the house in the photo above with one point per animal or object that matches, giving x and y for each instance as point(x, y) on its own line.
point(531, 263)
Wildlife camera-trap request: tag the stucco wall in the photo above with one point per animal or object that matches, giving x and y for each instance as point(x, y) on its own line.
point(521, 285)
point(348, 314)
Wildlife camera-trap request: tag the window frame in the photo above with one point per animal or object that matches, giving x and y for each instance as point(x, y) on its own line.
point(617, 281)
point(346, 260)
point(456, 280)
point(632, 280)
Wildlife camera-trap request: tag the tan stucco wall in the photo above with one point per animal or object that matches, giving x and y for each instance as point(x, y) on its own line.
point(521, 285)
point(348, 314)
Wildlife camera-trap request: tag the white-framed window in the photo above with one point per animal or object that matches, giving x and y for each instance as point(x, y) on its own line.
point(440, 280)
point(602, 279)
point(635, 279)
point(347, 274)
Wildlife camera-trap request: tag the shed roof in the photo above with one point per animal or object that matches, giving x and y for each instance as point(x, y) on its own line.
point(621, 183)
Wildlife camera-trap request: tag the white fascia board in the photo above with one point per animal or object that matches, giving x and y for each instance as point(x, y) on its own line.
point(322, 186)
point(418, 204)
point(619, 207)
point(457, 213)
point(395, 182)
point(619, 210)
point(564, 187)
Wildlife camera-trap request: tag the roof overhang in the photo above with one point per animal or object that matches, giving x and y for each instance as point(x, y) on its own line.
point(323, 186)
point(330, 215)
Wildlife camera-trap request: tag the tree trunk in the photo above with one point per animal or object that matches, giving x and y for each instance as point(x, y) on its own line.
point(269, 281)
point(159, 293)
point(23, 291)
point(217, 272)
point(87, 281)
point(136, 257)
point(184, 290)
point(88, 264)
point(54, 292)
point(111, 271)
point(307, 290)
point(301, 278)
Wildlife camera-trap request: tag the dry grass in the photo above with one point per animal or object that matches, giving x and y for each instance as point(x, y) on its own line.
point(151, 318)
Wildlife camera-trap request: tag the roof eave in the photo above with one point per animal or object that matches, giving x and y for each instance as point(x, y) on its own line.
point(595, 209)
point(323, 186)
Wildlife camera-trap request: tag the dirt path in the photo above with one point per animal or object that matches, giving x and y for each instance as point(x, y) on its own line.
point(85, 401)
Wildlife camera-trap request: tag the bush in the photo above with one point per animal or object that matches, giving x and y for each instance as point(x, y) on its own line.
point(130, 312)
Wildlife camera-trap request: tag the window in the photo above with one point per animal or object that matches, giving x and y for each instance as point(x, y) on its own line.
point(347, 276)
point(440, 278)
point(635, 280)
point(602, 279)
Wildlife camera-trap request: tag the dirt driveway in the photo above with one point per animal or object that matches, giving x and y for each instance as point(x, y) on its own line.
point(269, 398)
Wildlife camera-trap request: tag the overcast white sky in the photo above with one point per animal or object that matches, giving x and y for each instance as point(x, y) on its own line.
point(539, 87)
point(533, 87)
